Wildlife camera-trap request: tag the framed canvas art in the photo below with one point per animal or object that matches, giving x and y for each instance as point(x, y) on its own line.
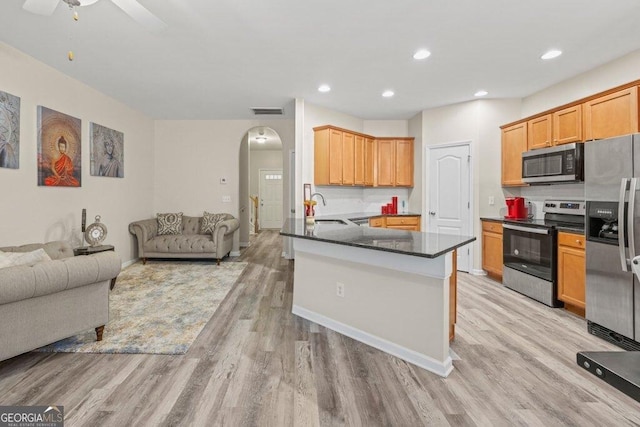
point(107, 151)
point(59, 149)
point(9, 131)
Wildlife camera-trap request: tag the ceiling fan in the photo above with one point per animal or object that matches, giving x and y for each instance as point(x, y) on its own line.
point(131, 7)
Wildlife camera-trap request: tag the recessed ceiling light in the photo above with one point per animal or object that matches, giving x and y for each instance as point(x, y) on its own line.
point(324, 88)
point(261, 139)
point(481, 93)
point(421, 54)
point(388, 93)
point(554, 53)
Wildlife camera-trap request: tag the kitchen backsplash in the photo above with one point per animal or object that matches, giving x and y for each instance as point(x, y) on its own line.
point(358, 199)
point(537, 194)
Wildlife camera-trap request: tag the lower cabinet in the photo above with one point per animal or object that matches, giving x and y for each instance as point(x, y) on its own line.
point(492, 249)
point(453, 296)
point(411, 223)
point(571, 271)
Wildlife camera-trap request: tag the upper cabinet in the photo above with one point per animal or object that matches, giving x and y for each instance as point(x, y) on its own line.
point(539, 132)
point(514, 143)
point(348, 158)
point(567, 125)
point(395, 162)
point(611, 115)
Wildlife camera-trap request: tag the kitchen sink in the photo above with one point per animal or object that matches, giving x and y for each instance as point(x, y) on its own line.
point(331, 221)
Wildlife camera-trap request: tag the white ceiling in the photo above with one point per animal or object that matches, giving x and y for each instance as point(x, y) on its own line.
point(217, 59)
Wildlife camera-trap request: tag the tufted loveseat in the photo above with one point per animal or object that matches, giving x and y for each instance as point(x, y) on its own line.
point(189, 244)
point(56, 299)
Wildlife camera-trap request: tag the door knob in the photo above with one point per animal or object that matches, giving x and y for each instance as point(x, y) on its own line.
point(432, 213)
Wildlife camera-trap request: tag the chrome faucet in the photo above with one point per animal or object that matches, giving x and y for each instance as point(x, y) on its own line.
point(321, 196)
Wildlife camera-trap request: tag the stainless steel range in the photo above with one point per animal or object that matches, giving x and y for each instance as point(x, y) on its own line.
point(530, 250)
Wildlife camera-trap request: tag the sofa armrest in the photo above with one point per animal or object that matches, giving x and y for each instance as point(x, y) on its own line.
point(48, 277)
point(144, 231)
point(224, 228)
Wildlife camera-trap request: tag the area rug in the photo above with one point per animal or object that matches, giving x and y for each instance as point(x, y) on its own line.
point(158, 308)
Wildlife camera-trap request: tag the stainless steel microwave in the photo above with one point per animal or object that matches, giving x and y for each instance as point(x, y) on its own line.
point(554, 165)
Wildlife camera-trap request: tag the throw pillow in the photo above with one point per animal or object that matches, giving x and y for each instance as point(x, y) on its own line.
point(7, 258)
point(12, 259)
point(169, 223)
point(209, 222)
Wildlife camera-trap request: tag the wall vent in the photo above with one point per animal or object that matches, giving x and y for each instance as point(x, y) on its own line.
point(267, 111)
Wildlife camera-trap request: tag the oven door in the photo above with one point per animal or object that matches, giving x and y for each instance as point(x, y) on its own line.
point(531, 250)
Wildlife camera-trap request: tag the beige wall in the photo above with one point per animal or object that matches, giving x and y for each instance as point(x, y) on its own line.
point(477, 122)
point(612, 74)
point(36, 214)
point(192, 155)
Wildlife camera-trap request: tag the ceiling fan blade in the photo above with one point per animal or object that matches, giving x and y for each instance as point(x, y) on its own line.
point(141, 15)
point(40, 7)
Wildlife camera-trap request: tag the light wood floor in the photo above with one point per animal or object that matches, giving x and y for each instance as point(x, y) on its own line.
point(257, 364)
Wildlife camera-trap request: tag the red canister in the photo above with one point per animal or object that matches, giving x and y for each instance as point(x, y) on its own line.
point(383, 209)
point(394, 203)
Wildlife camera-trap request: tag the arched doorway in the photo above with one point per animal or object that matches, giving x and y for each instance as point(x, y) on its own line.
point(261, 182)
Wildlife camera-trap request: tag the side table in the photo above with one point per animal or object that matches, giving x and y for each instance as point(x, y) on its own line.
point(90, 250)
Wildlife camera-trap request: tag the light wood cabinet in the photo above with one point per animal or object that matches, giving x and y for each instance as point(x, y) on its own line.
point(453, 296)
point(571, 271)
point(539, 132)
point(348, 159)
point(403, 222)
point(404, 163)
point(567, 125)
point(514, 143)
point(611, 115)
point(411, 223)
point(386, 161)
point(359, 160)
point(369, 161)
point(395, 162)
point(328, 157)
point(376, 222)
point(492, 249)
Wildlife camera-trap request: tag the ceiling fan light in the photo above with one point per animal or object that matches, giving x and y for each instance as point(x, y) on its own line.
point(87, 2)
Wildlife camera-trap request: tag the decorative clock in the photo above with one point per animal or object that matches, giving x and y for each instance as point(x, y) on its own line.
point(95, 233)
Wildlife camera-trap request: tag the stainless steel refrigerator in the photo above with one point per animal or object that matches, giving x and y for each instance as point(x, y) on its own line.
point(612, 183)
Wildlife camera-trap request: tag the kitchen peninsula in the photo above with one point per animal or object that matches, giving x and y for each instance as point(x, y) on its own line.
point(384, 287)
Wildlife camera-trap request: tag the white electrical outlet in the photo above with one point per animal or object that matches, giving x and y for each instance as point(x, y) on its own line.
point(340, 289)
point(492, 201)
point(226, 199)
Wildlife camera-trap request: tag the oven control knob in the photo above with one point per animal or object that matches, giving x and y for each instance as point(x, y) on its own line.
point(516, 252)
point(586, 364)
point(599, 372)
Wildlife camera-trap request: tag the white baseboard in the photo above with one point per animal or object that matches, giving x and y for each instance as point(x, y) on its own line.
point(443, 369)
point(478, 272)
point(234, 253)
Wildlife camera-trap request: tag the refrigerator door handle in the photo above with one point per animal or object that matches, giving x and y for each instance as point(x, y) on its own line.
point(630, 220)
point(621, 225)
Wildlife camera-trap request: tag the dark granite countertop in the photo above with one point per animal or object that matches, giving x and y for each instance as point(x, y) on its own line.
point(426, 245)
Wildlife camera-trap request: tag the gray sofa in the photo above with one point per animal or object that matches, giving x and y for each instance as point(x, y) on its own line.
point(189, 244)
point(52, 300)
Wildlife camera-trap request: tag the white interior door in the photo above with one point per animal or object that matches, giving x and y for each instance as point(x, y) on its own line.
point(449, 195)
point(270, 203)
